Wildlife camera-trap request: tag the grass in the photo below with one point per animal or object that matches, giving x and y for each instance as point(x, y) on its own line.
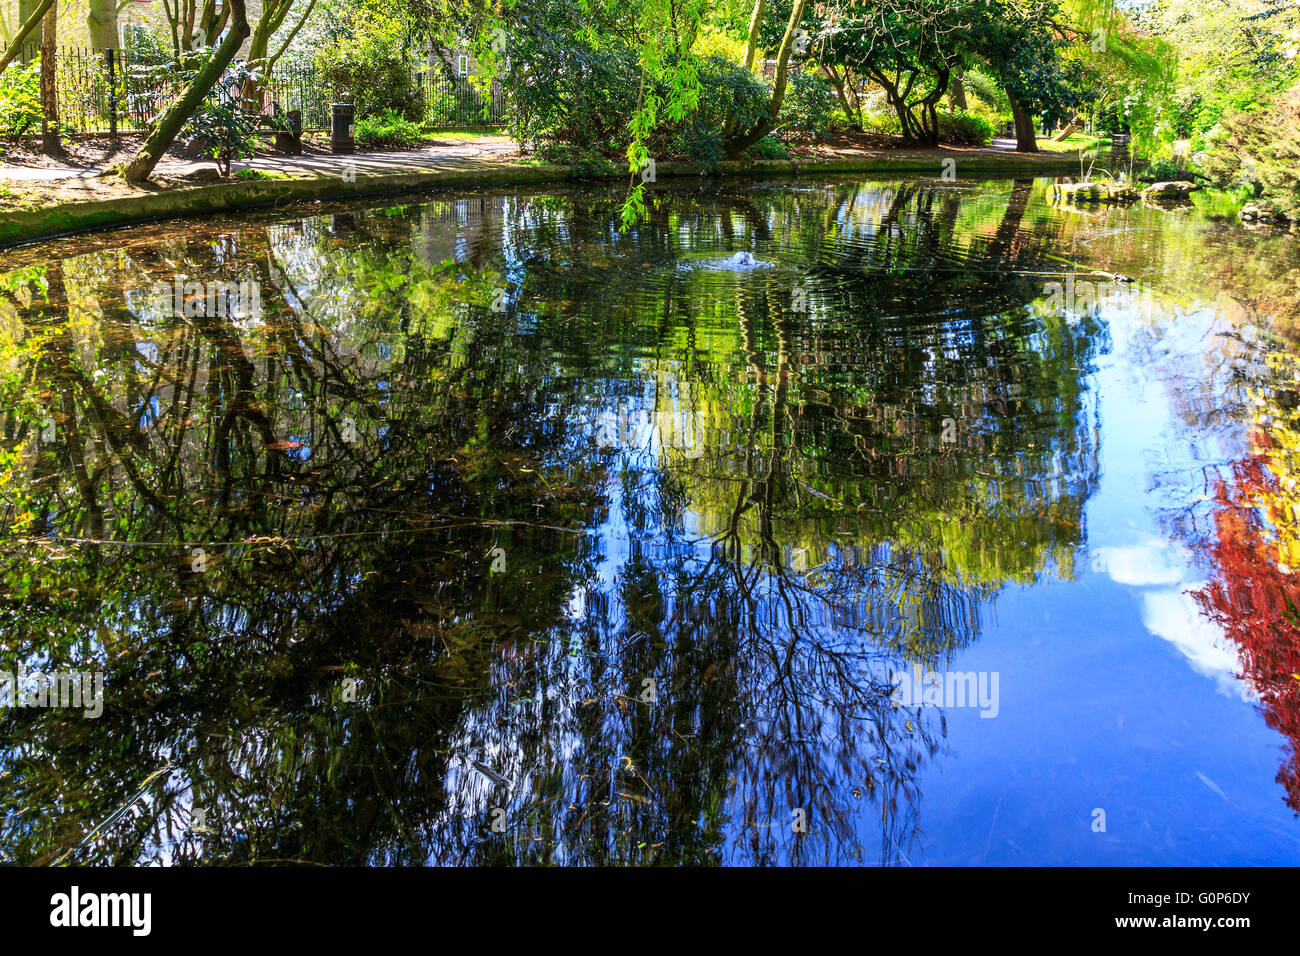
point(430, 133)
point(1071, 144)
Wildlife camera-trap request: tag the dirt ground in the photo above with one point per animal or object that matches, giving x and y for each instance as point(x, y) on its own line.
point(29, 179)
point(80, 154)
point(32, 194)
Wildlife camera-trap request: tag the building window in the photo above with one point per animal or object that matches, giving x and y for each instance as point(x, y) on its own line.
point(462, 65)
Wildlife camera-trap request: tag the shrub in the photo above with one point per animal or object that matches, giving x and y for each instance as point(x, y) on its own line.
point(571, 92)
point(565, 87)
point(809, 105)
point(882, 124)
point(225, 131)
point(387, 130)
point(769, 147)
point(20, 99)
point(727, 91)
point(1262, 150)
point(984, 90)
point(369, 59)
point(966, 129)
point(1167, 168)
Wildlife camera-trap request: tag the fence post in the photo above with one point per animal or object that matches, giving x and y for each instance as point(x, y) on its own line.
point(112, 93)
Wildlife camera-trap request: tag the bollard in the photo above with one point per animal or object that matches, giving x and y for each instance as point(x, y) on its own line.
point(290, 141)
point(112, 93)
point(341, 118)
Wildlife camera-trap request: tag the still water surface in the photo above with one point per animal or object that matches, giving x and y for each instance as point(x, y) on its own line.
point(952, 528)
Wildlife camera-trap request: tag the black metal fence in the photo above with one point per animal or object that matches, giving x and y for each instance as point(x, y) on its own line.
point(458, 103)
point(104, 91)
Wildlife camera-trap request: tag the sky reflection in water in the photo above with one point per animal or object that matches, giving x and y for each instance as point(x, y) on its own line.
point(495, 536)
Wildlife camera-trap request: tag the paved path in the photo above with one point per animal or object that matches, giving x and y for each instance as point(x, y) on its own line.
point(455, 153)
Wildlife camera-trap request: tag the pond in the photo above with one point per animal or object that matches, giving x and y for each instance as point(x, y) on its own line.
point(944, 527)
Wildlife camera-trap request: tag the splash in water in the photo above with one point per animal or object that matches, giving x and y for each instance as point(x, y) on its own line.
point(738, 262)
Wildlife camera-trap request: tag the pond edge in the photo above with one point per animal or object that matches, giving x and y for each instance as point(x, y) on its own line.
point(48, 222)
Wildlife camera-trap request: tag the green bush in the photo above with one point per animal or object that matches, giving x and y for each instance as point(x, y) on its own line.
point(387, 130)
point(966, 129)
point(1165, 170)
point(809, 105)
point(1261, 149)
point(225, 130)
point(572, 89)
point(20, 99)
point(769, 147)
point(984, 93)
point(882, 124)
point(369, 59)
point(727, 91)
point(566, 88)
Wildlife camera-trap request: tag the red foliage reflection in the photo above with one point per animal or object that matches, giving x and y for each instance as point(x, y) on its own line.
point(1255, 595)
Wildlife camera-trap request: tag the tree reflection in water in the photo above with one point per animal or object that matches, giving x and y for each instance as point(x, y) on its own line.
point(1254, 545)
point(618, 554)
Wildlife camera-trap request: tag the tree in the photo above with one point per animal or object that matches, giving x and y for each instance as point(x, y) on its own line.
point(139, 167)
point(744, 139)
point(272, 19)
point(51, 145)
point(101, 23)
point(195, 24)
point(912, 49)
point(27, 26)
point(1122, 70)
point(909, 48)
point(1232, 55)
point(1022, 41)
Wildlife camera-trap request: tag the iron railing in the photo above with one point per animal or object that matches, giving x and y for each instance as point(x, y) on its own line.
point(110, 91)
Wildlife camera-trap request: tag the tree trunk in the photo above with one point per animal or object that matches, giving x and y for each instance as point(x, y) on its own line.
point(101, 22)
point(1026, 136)
point(1070, 129)
point(853, 82)
point(25, 10)
point(751, 48)
point(929, 106)
point(259, 46)
point(50, 143)
point(844, 89)
point(957, 93)
point(739, 143)
point(273, 14)
point(755, 23)
point(194, 23)
point(837, 83)
point(29, 26)
point(251, 94)
point(170, 123)
point(1009, 225)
